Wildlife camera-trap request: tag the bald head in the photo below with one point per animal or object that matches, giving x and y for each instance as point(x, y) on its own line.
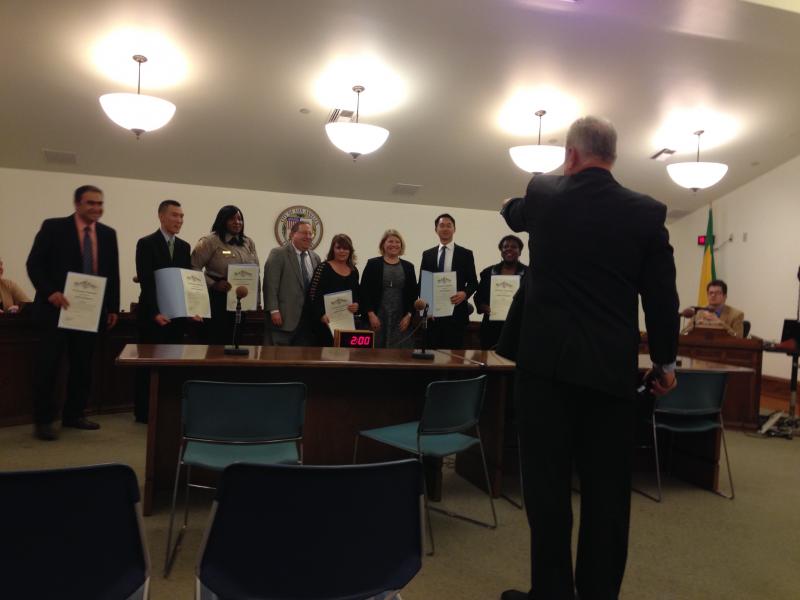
point(591, 142)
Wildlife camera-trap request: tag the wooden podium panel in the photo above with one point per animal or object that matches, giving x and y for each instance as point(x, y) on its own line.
point(348, 390)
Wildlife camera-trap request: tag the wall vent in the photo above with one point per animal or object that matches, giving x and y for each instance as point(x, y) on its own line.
point(405, 189)
point(663, 154)
point(60, 157)
point(340, 115)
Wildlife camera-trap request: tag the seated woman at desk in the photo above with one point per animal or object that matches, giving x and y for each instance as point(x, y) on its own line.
point(336, 274)
point(11, 295)
point(717, 314)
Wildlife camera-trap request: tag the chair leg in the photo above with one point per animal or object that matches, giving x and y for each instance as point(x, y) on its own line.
point(658, 469)
point(171, 551)
point(355, 448)
point(727, 463)
point(448, 513)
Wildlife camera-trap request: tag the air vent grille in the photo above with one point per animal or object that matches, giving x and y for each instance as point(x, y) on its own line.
point(60, 157)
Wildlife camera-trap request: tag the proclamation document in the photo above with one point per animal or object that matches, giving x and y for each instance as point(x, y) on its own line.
point(336, 308)
point(437, 289)
point(502, 290)
point(246, 275)
point(85, 294)
point(182, 293)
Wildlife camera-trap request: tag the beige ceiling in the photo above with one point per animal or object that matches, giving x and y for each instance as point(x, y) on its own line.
point(252, 65)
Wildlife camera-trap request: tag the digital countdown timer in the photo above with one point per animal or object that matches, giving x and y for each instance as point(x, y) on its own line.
point(354, 339)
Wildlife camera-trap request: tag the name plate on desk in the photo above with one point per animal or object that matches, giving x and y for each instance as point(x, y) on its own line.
point(354, 338)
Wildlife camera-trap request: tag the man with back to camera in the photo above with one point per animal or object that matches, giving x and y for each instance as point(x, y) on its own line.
point(598, 246)
point(81, 244)
point(717, 314)
point(287, 273)
point(159, 250)
point(448, 332)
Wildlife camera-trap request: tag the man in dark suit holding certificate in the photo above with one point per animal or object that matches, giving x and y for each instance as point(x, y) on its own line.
point(448, 332)
point(595, 247)
point(159, 250)
point(77, 243)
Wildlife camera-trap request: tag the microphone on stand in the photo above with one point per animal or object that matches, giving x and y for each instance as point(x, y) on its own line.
point(422, 307)
point(241, 292)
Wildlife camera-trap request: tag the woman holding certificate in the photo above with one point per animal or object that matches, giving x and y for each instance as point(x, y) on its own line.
point(497, 287)
point(228, 257)
point(388, 292)
point(333, 292)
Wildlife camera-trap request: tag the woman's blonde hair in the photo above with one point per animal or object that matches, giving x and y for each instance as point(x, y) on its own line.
point(392, 233)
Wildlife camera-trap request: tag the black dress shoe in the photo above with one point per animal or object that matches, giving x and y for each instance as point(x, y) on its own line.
point(514, 595)
point(81, 423)
point(45, 431)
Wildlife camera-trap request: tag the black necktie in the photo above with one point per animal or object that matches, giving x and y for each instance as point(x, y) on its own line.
point(88, 263)
point(441, 258)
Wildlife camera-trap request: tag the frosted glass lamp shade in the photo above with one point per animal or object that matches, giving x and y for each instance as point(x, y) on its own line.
point(696, 175)
point(537, 158)
point(137, 112)
point(356, 138)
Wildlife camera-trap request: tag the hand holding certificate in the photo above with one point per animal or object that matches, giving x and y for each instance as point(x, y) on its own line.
point(337, 310)
point(247, 276)
point(503, 288)
point(437, 289)
point(84, 294)
point(182, 293)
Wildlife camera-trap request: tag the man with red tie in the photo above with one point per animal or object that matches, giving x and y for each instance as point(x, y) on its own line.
point(77, 243)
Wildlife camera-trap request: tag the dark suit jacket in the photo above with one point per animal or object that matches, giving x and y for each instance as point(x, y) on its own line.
point(56, 250)
point(595, 246)
point(371, 292)
point(152, 253)
point(466, 279)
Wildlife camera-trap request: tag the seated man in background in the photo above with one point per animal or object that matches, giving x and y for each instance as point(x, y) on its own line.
point(717, 314)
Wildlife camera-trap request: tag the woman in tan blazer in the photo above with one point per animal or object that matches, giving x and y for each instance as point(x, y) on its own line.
point(11, 295)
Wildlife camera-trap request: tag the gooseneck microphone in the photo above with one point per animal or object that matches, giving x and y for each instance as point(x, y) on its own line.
point(241, 292)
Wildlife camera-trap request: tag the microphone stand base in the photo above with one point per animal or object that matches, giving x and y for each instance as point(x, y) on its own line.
point(236, 351)
point(423, 354)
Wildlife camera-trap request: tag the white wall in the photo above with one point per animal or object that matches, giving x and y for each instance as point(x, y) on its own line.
point(28, 197)
point(761, 272)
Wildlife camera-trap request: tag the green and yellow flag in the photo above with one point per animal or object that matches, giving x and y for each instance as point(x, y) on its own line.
point(708, 270)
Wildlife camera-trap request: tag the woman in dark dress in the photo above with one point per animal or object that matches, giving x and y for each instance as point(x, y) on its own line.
point(388, 292)
point(510, 249)
point(336, 274)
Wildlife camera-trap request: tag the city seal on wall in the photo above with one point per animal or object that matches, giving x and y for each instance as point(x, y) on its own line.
point(288, 217)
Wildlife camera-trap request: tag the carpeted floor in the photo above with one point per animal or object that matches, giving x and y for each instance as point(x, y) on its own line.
point(694, 545)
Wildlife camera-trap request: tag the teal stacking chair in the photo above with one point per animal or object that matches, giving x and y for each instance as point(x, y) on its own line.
point(695, 406)
point(227, 423)
point(452, 408)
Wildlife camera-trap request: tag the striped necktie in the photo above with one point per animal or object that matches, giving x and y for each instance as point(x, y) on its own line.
point(88, 262)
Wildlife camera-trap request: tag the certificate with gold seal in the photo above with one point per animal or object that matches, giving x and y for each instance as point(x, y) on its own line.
point(182, 293)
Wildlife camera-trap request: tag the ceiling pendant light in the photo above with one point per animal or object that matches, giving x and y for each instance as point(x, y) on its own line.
point(697, 175)
point(137, 112)
point(356, 138)
point(536, 158)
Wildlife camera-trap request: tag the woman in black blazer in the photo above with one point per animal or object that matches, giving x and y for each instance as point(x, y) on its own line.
point(388, 292)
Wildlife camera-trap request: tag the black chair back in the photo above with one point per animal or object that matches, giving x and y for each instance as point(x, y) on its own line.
point(71, 533)
point(745, 328)
point(329, 533)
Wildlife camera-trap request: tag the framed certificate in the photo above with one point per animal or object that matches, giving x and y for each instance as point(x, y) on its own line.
point(85, 294)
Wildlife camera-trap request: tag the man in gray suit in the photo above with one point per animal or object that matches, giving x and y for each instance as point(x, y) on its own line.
point(287, 273)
